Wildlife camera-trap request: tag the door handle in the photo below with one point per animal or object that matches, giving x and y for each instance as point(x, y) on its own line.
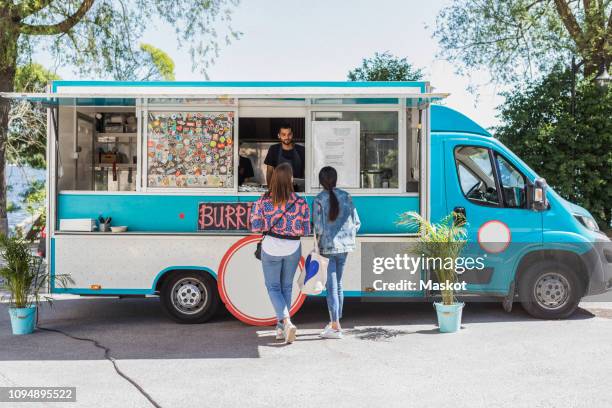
point(461, 215)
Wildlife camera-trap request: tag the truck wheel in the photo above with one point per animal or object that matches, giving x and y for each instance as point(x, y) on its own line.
point(550, 290)
point(190, 296)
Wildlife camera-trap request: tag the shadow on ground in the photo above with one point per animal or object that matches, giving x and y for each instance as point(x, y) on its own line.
point(138, 329)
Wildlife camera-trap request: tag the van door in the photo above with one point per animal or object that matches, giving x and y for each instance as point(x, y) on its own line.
point(485, 185)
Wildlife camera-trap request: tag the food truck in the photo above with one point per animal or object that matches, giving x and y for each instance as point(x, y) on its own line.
point(147, 196)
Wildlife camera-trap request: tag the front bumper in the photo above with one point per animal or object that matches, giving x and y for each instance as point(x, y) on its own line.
point(598, 261)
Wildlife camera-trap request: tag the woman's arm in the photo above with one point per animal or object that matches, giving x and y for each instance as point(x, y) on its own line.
point(257, 218)
point(317, 216)
point(356, 219)
point(304, 218)
point(355, 216)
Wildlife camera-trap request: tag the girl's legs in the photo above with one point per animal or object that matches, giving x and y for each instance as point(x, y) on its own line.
point(340, 262)
point(333, 302)
point(335, 296)
point(289, 267)
point(272, 267)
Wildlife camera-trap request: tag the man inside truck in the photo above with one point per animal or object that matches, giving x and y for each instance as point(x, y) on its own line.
point(286, 152)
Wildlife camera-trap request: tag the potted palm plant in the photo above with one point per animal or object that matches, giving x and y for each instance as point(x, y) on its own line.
point(444, 241)
point(24, 278)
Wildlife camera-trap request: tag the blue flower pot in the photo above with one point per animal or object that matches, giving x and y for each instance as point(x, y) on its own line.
point(23, 319)
point(449, 316)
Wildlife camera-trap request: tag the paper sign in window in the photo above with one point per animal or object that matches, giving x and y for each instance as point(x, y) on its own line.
point(336, 144)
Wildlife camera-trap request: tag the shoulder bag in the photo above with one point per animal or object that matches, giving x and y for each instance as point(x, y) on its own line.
point(258, 248)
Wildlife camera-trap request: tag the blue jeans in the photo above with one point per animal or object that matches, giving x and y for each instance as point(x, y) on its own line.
point(278, 275)
point(335, 297)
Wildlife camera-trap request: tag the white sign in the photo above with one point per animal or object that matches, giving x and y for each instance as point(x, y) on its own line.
point(336, 144)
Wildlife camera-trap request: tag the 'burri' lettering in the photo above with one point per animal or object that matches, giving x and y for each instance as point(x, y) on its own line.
point(224, 216)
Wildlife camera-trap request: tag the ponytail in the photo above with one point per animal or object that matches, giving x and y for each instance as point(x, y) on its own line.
point(328, 178)
point(334, 206)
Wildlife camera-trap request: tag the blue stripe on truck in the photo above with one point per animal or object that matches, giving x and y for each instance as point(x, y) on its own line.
point(162, 213)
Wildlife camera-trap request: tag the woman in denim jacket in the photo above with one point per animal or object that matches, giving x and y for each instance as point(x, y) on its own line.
point(336, 224)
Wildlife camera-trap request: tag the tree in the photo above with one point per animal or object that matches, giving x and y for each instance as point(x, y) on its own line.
point(567, 140)
point(159, 66)
point(515, 39)
point(96, 37)
point(27, 124)
point(385, 67)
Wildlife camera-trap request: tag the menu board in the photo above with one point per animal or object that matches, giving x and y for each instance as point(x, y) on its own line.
point(190, 149)
point(336, 144)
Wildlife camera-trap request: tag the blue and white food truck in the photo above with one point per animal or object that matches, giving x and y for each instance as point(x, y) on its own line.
point(148, 193)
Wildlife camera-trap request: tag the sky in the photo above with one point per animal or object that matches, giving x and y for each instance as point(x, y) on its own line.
point(321, 40)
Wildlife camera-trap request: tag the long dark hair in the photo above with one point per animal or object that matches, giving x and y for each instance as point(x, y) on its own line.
point(281, 184)
point(328, 178)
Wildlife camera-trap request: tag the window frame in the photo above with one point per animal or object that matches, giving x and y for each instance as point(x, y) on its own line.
point(144, 114)
point(525, 179)
point(142, 108)
point(493, 170)
point(399, 108)
point(55, 144)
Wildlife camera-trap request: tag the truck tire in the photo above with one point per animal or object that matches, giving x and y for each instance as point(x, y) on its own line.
point(550, 290)
point(190, 296)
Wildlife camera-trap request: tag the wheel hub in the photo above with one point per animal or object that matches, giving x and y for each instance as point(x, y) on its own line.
point(189, 295)
point(552, 291)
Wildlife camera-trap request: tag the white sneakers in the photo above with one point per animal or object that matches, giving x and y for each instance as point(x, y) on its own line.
point(329, 333)
point(289, 333)
point(279, 333)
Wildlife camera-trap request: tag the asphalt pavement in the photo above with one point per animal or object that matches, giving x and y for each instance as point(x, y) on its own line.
point(392, 356)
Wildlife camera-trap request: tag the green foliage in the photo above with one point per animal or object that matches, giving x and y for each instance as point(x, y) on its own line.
point(514, 39)
point(443, 240)
point(101, 37)
point(567, 140)
point(24, 273)
point(164, 65)
point(19, 275)
point(12, 207)
point(149, 63)
point(385, 67)
point(27, 127)
point(33, 77)
point(34, 198)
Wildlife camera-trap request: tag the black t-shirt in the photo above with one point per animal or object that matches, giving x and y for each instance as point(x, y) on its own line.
point(288, 155)
point(245, 169)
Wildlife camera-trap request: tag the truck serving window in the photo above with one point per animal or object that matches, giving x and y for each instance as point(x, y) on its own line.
point(97, 148)
point(190, 149)
point(476, 175)
point(361, 145)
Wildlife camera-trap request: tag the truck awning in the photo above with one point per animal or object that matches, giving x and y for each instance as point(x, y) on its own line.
point(46, 99)
point(51, 100)
point(101, 92)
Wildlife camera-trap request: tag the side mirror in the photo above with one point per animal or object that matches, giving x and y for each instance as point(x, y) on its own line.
point(536, 195)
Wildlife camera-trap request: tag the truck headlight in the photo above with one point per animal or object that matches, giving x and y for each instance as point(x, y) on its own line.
point(588, 222)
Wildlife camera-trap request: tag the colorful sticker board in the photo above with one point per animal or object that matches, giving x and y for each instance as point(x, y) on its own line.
point(190, 149)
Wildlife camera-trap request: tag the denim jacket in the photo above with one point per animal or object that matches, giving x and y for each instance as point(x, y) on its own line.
point(336, 236)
